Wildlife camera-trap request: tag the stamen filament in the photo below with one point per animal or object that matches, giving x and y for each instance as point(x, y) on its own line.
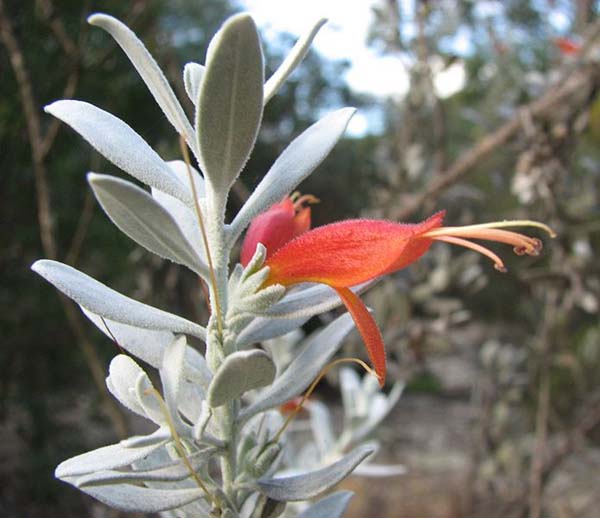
point(211, 269)
point(313, 386)
point(305, 198)
point(521, 242)
point(496, 224)
point(498, 263)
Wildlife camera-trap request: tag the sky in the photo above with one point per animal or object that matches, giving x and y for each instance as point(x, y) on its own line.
point(345, 37)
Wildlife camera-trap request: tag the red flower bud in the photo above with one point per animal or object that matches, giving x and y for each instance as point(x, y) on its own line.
point(567, 46)
point(274, 228)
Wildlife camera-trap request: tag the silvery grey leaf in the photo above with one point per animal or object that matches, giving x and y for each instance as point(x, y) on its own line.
point(380, 470)
point(322, 427)
point(149, 345)
point(121, 145)
point(309, 485)
point(296, 162)
point(197, 509)
point(262, 328)
point(192, 394)
point(123, 376)
point(257, 261)
point(150, 72)
point(250, 284)
point(180, 169)
point(284, 349)
point(379, 406)
point(230, 101)
point(192, 76)
point(107, 457)
point(149, 399)
point(203, 415)
point(139, 441)
point(185, 216)
point(171, 373)
point(144, 220)
point(260, 301)
point(106, 302)
point(235, 277)
point(126, 497)
point(317, 352)
point(349, 388)
point(172, 471)
point(332, 506)
point(240, 372)
point(308, 300)
point(291, 61)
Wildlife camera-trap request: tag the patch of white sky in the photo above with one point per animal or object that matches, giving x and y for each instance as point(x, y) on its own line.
point(345, 37)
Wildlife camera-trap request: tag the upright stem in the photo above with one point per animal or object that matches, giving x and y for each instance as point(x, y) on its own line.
point(226, 415)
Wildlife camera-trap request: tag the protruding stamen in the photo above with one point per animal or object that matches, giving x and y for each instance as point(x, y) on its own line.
point(301, 201)
point(522, 244)
point(507, 224)
point(498, 263)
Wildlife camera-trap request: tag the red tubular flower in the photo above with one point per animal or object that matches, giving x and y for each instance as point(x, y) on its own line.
point(567, 46)
point(347, 253)
point(281, 223)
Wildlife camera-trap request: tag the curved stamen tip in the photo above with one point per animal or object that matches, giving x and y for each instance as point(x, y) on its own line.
point(533, 247)
point(495, 231)
point(307, 199)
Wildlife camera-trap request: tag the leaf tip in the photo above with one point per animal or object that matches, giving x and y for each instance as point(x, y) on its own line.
point(98, 19)
point(39, 266)
point(52, 107)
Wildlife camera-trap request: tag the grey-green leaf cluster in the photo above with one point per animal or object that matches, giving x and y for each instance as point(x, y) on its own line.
point(220, 445)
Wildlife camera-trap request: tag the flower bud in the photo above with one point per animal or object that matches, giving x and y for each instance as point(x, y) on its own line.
point(274, 228)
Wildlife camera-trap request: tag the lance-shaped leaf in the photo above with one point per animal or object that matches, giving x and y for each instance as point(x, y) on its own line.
point(296, 162)
point(230, 101)
point(185, 216)
point(144, 220)
point(132, 387)
point(108, 303)
point(121, 145)
point(105, 458)
point(380, 470)
point(309, 301)
point(332, 506)
point(150, 345)
point(150, 72)
point(305, 367)
point(261, 329)
point(309, 485)
point(192, 76)
point(240, 372)
point(171, 373)
point(172, 471)
point(126, 497)
point(291, 61)
point(125, 375)
point(379, 406)
point(322, 427)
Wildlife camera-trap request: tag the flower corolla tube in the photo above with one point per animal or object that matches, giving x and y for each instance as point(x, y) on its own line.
point(348, 253)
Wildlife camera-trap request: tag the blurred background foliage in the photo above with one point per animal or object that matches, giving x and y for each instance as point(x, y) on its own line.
point(503, 402)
